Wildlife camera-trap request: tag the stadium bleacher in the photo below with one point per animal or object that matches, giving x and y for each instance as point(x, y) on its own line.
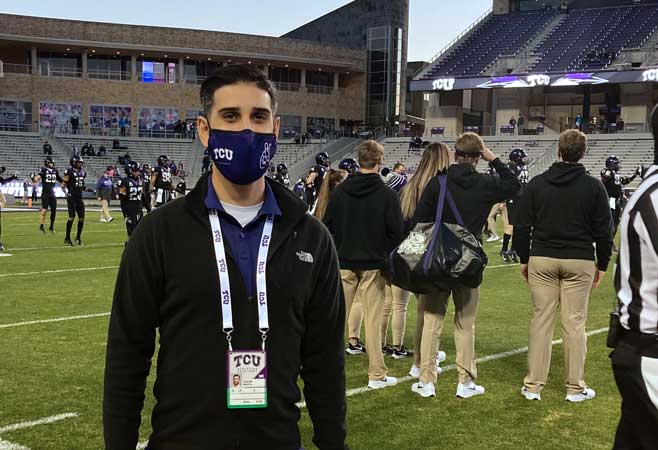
point(585, 39)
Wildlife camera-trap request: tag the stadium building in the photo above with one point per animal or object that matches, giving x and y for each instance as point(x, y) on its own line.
point(547, 61)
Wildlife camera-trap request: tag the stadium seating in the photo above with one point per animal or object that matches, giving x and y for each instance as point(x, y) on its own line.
point(590, 39)
point(587, 39)
point(498, 35)
point(22, 153)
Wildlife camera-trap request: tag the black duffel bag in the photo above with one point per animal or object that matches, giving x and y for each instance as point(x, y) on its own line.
point(438, 255)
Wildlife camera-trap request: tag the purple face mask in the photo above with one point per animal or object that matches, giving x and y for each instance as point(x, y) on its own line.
point(241, 156)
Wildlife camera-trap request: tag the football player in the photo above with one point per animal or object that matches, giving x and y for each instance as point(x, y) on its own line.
point(349, 165)
point(315, 177)
point(49, 176)
point(73, 183)
point(161, 182)
point(130, 192)
point(519, 166)
point(614, 182)
point(282, 175)
point(146, 188)
point(3, 181)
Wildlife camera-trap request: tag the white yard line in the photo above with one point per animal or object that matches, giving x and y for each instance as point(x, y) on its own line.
point(81, 269)
point(518, 351)
point(64, 247)
point(6, 445)
point(59, 319)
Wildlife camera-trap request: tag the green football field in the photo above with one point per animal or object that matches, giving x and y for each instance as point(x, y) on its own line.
point(54, 304)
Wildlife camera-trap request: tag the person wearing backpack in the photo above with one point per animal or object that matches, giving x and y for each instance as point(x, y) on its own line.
point(474, 195)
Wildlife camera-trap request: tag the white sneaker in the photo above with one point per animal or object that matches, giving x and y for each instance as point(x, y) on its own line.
point(493, 238)
point(530, 395)
point(440, 357)
point(103, 220)
point(384, 383)
point(414, 372)
point(110, 219)
point(587, 394)
point(470, 389)
point(424, 390)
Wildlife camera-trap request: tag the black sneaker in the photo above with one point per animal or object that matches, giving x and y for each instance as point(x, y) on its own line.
point(387, 350)
point(505, 256)
point(403, 352)
point(357, 349)
point(68, 242)
point(78, 242)
point(514, 256)
point(42, 229)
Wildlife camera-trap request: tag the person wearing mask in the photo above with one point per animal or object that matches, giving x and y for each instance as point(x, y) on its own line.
point(474, 194)
point(262, 301)
point(365, 219)
point(563, 214)
point(635, 357)
point(104, 196)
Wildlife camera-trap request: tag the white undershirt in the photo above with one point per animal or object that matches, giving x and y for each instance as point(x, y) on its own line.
point(243, 214)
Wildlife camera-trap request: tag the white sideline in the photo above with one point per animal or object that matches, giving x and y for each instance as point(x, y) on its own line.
point(6, 445)
point(60, 319)
point(62, 247)
point(81, 269)
point(518, 351)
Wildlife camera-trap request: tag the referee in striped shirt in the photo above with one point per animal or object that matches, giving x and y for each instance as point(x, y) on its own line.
point(635, 358)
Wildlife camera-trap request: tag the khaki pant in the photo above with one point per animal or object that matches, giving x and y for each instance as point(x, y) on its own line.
point(371, 286)
point(507, 227)
point(396, 301)
point(105, 210)
point(354, 320)
point(563, 283)
point(491, 220)
point(434, 308)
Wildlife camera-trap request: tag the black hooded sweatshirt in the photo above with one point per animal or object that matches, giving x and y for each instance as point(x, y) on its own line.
point(562, 213)
point(365, 219)
point(474, 194)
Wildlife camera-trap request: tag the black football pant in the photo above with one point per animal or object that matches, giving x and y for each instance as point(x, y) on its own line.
point(638, 426)
point(133, 213)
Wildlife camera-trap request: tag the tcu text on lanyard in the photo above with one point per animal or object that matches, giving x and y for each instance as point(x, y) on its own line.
point(225, 284)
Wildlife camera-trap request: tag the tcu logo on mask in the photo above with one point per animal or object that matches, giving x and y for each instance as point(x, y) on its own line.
point(265, 156)
point(223, 153)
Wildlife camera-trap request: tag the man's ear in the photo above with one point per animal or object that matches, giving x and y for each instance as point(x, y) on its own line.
point(277, 126)
point(203, 129)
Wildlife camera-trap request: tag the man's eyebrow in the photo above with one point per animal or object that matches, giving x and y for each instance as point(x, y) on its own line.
point(232, 109)
point(262, 110)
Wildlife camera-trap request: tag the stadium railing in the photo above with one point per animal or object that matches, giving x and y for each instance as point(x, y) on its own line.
point(65, 72)
point(288, 87)
point(16, 69)
point(113, 75)
point(317, 89)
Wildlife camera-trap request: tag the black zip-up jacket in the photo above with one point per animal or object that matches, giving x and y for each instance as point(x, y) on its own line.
point(306, 314)
point(474, 194)
point(365, 218)
point(562, 213)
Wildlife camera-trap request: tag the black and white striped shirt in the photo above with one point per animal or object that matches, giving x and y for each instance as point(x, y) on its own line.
point(636, 276)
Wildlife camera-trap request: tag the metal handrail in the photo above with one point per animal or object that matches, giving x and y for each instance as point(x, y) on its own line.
point(121, 75)
point(288, 87)
point(319, 89)
point(61, 72)
point(18, 69)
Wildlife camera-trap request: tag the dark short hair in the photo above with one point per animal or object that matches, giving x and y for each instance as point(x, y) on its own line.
point(235, 74)
point(397, 166)
point(572, 145)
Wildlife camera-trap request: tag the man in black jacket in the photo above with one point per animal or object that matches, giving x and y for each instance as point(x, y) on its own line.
point(562, 214)
point(365, 219)
point(259, 300)
point(474, 195)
